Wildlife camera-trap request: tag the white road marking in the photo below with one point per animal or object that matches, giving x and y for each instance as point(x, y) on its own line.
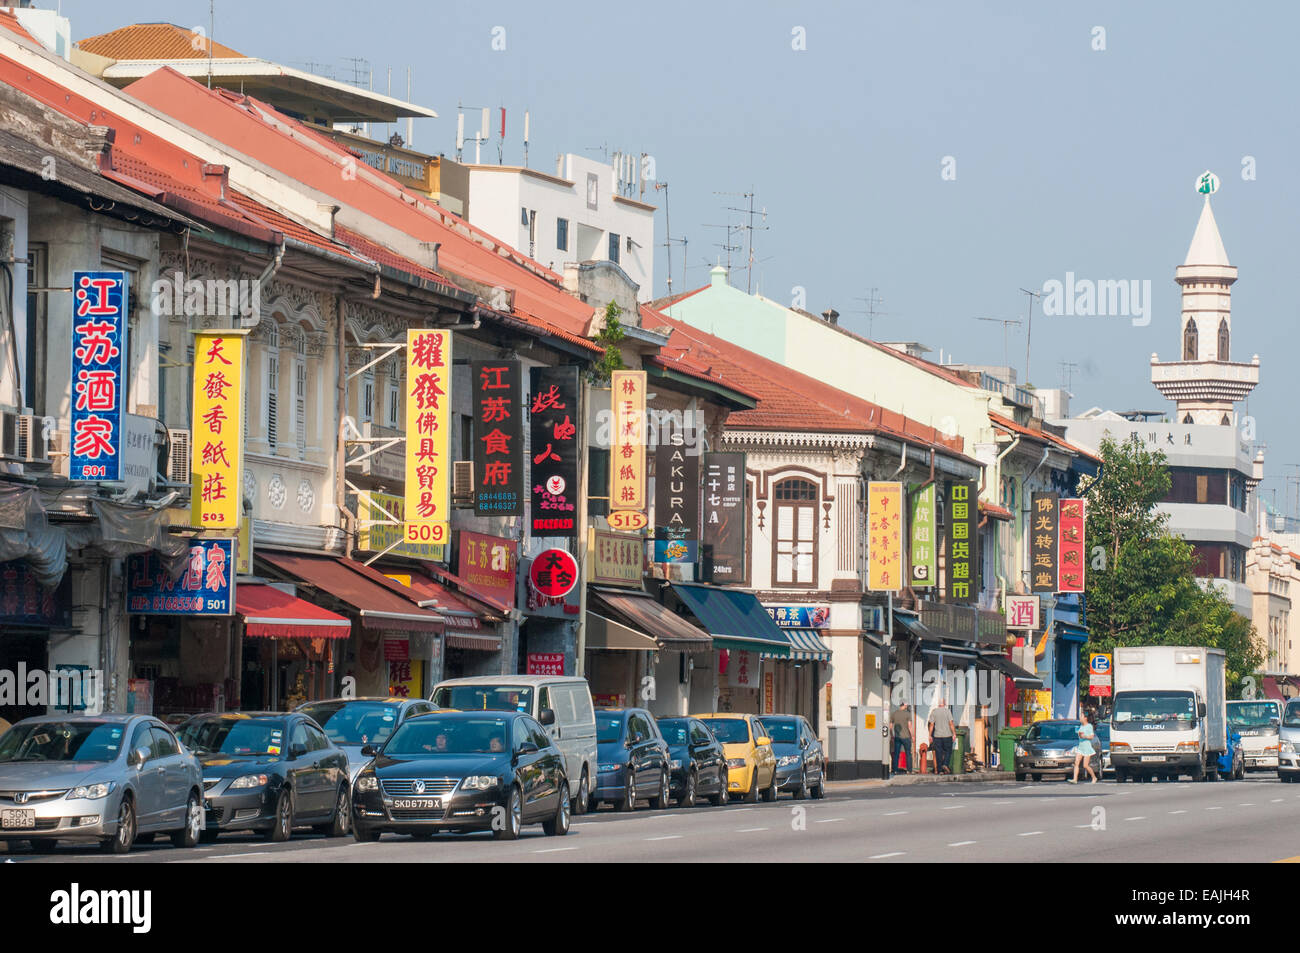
point(1247, 804)
point(962, 843)
point(750, 830)
point(1140, 817)
point(1013, 802)
point(1028, 833)
point(954, 807)
point(896, 853)
point(1276, 800)
point(666, 837)
point(251, 853)
point(553, 850)
point(1177, 812)
point(828, 820)
point(1083, 825)
point(1214, 809)
point(895, 813)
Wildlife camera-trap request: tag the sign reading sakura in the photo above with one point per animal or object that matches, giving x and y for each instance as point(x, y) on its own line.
point(1073, 571)
point(553, 431)
point(206, 587)
point(1022, 612)
point(545, 663)
point(554, 573)
point(428, 432)
point(99, 355)
point(218, 429)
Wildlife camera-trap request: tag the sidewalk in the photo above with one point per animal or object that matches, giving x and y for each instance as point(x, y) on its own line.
point(844, 787)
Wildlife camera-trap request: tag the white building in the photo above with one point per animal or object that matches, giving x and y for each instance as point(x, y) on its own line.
point(577, 215)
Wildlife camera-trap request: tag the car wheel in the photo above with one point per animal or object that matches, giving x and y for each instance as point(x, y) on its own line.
point(188, 835)
point(209, 835)
point(628, 801)
point(558, 826)
point(660, 801)
point(688, 794)
point(751, 796)
point(282, 826)
point(582, 803)
point(514, 818)
point(120, 843)
point(720, 799)
point(341, 823)
point(801, 792)
point(1020, 775)
point(364, 835)
point(1035, 778)
point(819, 789)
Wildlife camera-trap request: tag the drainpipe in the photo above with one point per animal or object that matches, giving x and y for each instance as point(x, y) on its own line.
point(262, 280)
point(901, 463)
point(340, 447)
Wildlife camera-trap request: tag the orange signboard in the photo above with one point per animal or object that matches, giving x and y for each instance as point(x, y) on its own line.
point(627, 446)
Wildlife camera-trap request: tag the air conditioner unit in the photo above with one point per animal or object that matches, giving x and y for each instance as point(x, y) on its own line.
point(462, 483)
point(31, 439)
point(178, 456)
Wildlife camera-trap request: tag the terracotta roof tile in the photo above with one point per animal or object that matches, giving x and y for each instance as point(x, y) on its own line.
point(9, 21)
point(1006, 423)
point(155, 41)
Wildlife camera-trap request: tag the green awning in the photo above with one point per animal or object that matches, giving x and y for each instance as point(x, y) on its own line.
point(735, 619)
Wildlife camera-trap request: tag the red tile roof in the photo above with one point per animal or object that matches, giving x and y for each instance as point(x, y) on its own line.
point(9, 21)
point(155, 41)
point(1009, 425)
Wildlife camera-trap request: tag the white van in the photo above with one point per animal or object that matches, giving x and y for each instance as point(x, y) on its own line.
point(571, 722)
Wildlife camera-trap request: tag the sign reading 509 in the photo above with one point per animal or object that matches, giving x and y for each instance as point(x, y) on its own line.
point(425, 532)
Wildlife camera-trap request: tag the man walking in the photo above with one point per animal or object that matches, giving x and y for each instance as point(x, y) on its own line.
point(901, 728)
point(941, 730)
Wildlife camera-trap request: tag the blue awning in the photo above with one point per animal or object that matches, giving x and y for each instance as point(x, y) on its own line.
point(1071, 631)
point(806, 646)
point(735, 619)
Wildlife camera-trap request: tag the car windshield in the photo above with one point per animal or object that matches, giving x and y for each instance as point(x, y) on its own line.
point(729, 731)
point(62, 741)
point(1054, 731)
point(425, 736)
point(1292, 717)
point(1252, 714)
point(243, 737)
point(676, 731)
point(782, 731)
point(1154, 710)
point(1103, 732)
point(354, 722)
point(484, 697)
point(609, 727)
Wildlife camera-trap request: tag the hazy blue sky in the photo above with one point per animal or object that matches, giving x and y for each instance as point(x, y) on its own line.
point(1067, 159)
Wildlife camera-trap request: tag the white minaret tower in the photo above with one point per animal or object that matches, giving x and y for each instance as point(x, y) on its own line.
point(1206, 382)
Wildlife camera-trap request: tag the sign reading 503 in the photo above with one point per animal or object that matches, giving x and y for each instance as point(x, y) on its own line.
point(425, 532)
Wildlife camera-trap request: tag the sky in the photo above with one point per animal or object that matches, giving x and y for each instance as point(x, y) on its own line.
point(935, 157)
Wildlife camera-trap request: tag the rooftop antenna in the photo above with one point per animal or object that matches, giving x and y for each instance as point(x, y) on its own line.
point(1006, 336)
point(1067, 373)
point(870, 311)
point(603, 149)
point(410, 120)
point(212, 25)
point(750, 227)
point(525, 138)
point(726, 244)
point(478, 140)
point(668, 237)
point(501, 141)
point(1029, 329)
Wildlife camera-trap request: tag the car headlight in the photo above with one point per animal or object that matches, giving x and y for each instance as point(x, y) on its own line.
point(735, 762)
point(1021, 752)
point(787, 760)
point(675, 765)
point(608, 768)
point(93, 792)
point(480, 782)
point(1288, 747)
point(1188, 746)
point(248, 781)
point(367, 782)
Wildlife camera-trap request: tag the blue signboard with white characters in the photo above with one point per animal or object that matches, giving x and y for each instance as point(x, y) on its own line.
point(206, 587)
point(800, 617)
point(99, 365)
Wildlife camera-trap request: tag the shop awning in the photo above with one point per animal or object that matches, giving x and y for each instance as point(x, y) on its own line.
point(642, 614)
point(806, 646)
point(963, 653)
point(1000, 663)
point(913, 625)
point(735, 619)
point(380, 602)
point(271, 613)
point(469, 624)
point(609, 635)
point(1071, 631)
point(993, 511)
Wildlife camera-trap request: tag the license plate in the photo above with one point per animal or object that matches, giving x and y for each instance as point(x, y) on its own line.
point(1044, 764)
point(1153, 759)
point(17, 819)
point(417, 804)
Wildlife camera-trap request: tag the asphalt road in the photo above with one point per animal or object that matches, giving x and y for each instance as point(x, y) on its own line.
point(1253, 820)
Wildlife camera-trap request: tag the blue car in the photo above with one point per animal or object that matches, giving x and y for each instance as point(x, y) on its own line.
point(1232, 763)
point(800, 763)
point(633, 761)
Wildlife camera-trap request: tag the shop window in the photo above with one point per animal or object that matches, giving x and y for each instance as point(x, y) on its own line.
point(794, 542)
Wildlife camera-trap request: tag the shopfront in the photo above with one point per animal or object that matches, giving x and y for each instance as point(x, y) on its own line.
point(791, 685)
point(30, 613)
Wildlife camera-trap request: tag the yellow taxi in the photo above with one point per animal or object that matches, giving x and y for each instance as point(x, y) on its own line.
point(751, 763)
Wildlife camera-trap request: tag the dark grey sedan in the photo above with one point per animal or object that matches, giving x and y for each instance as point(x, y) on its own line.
point(800, 763)
point(1047, 750)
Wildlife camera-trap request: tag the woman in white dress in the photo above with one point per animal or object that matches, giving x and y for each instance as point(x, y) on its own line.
point(1084, 750)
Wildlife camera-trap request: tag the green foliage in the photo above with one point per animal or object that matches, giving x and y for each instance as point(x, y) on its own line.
point(609, 336)
point(1147, 593)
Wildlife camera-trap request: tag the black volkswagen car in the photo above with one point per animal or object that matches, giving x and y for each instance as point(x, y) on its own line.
point(697, 764)
point(800, 763)
point(462, 771)
point(269, 772)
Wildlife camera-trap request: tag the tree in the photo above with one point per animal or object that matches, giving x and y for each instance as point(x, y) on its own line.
point(609, 336)
point(1142, 588)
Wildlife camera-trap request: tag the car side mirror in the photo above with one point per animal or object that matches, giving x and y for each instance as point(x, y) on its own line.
point(526, 748)
point(762, 741)
point(546, 716)
point(297, 751)
point(1200, 709)
point(803, 742)
point(369, 751)
point(139, 756)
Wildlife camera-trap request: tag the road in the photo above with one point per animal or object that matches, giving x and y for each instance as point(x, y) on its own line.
point(1254, 820)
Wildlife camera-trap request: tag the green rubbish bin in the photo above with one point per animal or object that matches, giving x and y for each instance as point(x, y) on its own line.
point(1007, 739)
point(960, 745)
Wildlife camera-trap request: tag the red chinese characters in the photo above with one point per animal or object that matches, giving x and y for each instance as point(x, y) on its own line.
point(428, 408)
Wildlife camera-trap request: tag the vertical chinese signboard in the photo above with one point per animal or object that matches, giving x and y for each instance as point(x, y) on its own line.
point(99, 361)
point(925, 552)
point(498, 439)
point(627, 448)
point(962, 542)
point(428, 430)
point(1043, 531)
point(218, 429)
point(677, 499)
point(722, 534)
point(885, 531)
point(1072, 571)
point(553, 433)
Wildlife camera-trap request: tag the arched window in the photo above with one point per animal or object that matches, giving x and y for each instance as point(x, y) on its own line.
point(1189, 340)
point(1223, 339)
point(794, 544)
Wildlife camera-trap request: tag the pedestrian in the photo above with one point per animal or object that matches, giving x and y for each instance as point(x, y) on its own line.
point(901, 728)
point(1084, 750)
point(941, 733)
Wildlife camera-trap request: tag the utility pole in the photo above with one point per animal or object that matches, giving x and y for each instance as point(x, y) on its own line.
point(1006, 339)
point(1029, 328)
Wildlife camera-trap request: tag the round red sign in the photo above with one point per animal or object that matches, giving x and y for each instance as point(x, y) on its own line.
point(554, 573)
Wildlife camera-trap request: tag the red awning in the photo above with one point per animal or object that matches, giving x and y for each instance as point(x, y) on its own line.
point(996, 512)
point(468, 625)
point(273, 614)
point(1271, 689)
point(381, 602)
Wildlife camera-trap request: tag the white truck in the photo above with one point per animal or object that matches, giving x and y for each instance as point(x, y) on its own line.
point(1169, 714)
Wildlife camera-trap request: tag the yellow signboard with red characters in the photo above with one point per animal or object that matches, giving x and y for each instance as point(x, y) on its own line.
point(218, 429)
point(885, 517)
point(627, 448)
point(428, 435)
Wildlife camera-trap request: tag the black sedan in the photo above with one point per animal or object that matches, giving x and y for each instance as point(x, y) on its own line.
point(800, 763)
point(632, 760)
point(462, 771)
point(269, 772)
point(1047, 750)
point(697, 764)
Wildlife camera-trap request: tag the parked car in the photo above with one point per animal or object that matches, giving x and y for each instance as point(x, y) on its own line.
point(571, 722)
point(1288, 758)
point(463, 771)
point(1258, 721)
point(1102, 729)
point(800, 763)
point(101, 778)
point(632, 759)
point(269, 772)
point(1047, 750)
point(697, 765)
point(751, 763)
point(353, 723)
point(1232, 763)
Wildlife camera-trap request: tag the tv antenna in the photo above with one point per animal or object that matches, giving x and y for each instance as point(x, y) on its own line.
point(749, 228)
point(668, 238)
point(1067, 373)
point(1029, 328)
point(871, 311)
point(726, 244)
point(1006, 336)
point(478, 140)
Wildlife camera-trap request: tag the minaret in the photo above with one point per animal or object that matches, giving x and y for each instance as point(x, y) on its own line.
point(1206, 383)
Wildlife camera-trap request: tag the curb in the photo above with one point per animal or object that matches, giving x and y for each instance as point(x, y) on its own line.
point(905, 779)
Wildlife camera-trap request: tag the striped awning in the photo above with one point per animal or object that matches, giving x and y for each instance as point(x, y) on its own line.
point(805, 646)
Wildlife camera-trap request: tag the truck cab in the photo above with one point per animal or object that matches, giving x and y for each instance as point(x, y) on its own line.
point(1258, 721)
